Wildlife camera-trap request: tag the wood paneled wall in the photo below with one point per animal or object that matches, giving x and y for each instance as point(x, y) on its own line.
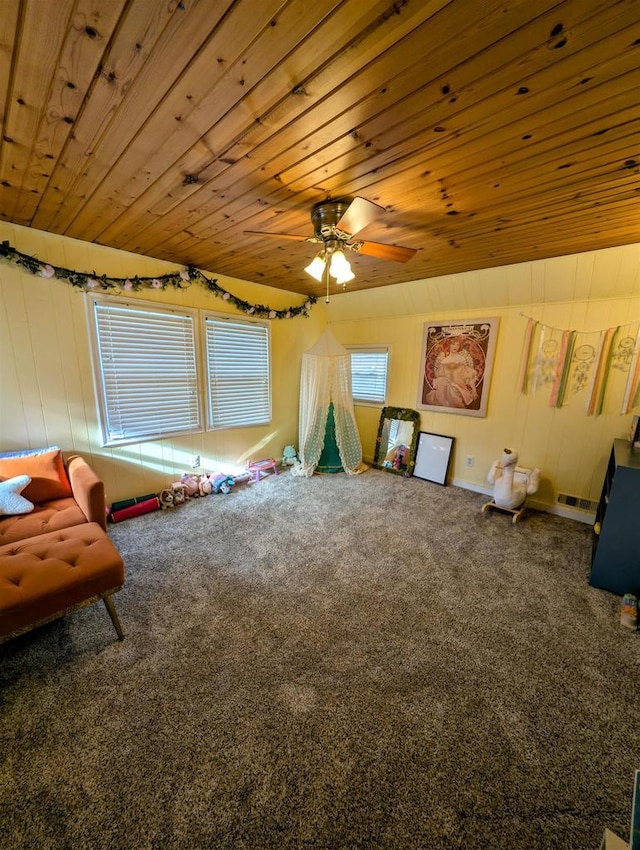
point(48, 397)
point(577, 292)
point(47, 388)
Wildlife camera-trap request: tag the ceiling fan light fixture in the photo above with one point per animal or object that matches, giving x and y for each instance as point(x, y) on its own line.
point(316, 268)
point(336, 223)
point(340, 267)
point(345, 277)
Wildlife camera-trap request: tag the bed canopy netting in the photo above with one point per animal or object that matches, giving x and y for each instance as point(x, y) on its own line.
point(328, 435)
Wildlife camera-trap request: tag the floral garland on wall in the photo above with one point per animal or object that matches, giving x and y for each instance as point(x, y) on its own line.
point(120, 285)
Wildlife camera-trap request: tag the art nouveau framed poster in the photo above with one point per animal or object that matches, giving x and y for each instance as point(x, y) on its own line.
point(457, 359)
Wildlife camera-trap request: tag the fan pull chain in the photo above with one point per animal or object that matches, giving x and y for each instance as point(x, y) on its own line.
point(326, 271)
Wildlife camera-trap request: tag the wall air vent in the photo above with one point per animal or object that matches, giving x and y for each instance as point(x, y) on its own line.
point(577, 502)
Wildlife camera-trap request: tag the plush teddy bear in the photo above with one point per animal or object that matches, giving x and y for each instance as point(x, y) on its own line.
point(511, 483)
point(166, 498)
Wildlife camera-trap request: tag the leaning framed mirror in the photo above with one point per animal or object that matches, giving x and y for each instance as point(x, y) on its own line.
point(397, 440)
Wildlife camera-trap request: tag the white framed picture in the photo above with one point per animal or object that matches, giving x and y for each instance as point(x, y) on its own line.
point(457, 360)
point(432, 457)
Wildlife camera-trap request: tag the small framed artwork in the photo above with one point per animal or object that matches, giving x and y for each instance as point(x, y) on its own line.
point(457, 359)
point(432, 457)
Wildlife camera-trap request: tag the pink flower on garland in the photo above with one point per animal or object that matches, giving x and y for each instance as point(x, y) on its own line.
point(184, 275)
point(272, 314)
point(156, 284)
point(92, 283)
point(288, 314)
point(251, 310)
point(226, 296)
point(47, 271)
point(128, 285)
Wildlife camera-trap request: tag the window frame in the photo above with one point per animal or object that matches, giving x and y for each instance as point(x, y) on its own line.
point(370, 349)
point(220, 318)
point(100, 387)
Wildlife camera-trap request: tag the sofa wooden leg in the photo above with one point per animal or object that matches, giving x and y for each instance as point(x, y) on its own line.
point(111, 608)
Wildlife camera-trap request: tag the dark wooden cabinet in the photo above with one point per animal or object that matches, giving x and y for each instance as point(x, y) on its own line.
point(615, 563)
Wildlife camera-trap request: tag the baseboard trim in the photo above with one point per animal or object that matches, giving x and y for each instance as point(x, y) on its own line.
point(558, 510)
point(566, 511)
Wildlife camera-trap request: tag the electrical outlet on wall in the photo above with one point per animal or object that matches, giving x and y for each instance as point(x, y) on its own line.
point(195, 461)
point(470, 460)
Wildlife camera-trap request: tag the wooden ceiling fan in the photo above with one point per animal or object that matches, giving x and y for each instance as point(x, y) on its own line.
point(336, 223)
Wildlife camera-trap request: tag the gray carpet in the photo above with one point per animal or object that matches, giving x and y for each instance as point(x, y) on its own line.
point(333, 663)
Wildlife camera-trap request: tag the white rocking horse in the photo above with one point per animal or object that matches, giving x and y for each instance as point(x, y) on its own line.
point(511, 484)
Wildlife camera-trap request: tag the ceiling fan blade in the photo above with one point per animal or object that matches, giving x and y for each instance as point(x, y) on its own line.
point(387, 252)
point(295, 237)
point(359, 214)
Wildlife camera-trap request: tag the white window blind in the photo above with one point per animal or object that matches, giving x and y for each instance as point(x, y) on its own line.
point(147, 369)
point(369, 374)
point(238, 373)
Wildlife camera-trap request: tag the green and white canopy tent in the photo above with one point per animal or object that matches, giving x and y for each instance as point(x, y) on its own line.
point(328, 435)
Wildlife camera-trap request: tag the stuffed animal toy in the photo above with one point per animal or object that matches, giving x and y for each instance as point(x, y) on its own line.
point(166, 498)
point(289, 456)
point(221, 483)
point(511, 483)
point(205, 487)
point(190, 485)
point(179, 493)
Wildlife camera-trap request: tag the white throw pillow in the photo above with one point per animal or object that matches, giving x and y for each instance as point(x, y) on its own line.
point(11, 502)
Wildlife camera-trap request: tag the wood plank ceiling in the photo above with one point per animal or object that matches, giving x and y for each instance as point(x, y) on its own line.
point(490, 132)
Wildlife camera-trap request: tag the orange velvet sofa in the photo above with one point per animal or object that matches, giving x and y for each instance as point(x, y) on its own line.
point(56, 555)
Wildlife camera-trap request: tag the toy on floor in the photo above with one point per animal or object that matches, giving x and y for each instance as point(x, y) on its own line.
point(221, 483)
point(511, 484)
point(179, 493)
point(262, 467)
point(127, 508)
point(205, 487)
point(243, 478)
point(629, 611)
point(190, 483)
point(167, 498)
point(289, 456)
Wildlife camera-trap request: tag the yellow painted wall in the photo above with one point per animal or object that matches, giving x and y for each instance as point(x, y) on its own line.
point(47, 392)
point(569, 447)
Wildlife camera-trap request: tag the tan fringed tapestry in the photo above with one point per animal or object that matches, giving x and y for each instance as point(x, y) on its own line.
point(569, 362)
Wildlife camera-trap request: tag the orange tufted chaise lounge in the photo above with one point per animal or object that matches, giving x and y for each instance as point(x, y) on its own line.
point(57, 556)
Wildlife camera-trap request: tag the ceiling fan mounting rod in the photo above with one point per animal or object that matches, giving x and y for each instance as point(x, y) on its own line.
point(331, 246)
point(333, 239)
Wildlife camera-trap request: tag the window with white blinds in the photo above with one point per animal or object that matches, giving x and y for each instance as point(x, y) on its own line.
point(238, 372)
point(369, 374)
point(147, 371)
